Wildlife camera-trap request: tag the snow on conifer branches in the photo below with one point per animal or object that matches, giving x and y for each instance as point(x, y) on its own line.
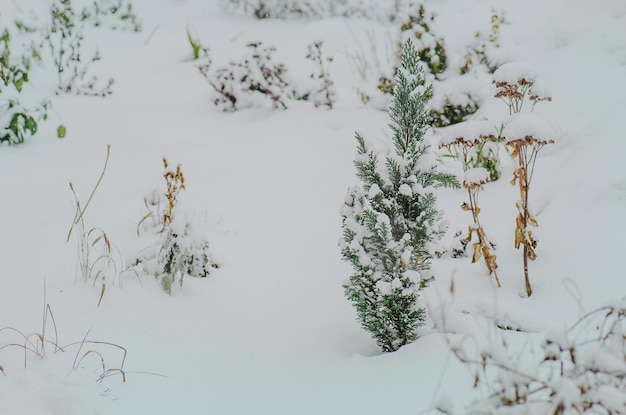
point(389, 221)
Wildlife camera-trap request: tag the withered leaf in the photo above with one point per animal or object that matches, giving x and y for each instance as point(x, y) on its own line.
point(477, 252)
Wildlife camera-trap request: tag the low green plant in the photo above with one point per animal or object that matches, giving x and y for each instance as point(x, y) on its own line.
point(197, 48)
point(16, 121)
point(451, 113)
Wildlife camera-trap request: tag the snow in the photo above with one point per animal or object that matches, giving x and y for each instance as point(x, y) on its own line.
point(470, 132)
point(475, 176)
point(522, 125)
point(405, 190)
point(270, 331)
point(512, 72)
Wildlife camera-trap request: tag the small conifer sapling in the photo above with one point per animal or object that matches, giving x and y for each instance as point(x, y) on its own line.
point(389, 221)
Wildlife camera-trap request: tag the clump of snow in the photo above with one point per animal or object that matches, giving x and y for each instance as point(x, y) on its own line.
point(405, 190)
point(468, 132)
point(512, 72)
point(461, 91)
point(540, 90)
point(525, 126)
point(476, 177)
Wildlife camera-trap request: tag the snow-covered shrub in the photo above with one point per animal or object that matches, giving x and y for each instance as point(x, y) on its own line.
point(325, 93)
point(181, 254)
point(65, 38)
point(526, 135)
point(483, 50)
point(417, 26)
point(580, 370)
point(389, 222)
point(179, 251)
point(250, 82)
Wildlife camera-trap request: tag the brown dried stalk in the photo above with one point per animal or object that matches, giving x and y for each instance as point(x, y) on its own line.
point(525, 147)
point(525, 151)
point(175, 182)
point(482, 247)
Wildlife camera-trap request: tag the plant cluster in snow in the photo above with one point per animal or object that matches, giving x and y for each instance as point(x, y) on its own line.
point(313, 9)
point(458, 92)
point(324, 95)
point(580, 370)
point(250, 82)
point(179, 251)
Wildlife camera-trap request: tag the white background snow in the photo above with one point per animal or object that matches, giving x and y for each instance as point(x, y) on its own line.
point(270, 331)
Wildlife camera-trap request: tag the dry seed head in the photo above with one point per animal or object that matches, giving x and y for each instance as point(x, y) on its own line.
point(536, 98)
point(527, 140)
point(507, 90)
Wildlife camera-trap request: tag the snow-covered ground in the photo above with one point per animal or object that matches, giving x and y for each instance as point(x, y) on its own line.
point(270, 332)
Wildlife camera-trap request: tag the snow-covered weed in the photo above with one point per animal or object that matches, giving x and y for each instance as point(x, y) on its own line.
point(179, 251)
point(466, 143)
point(65, 38)
point(325, 93)
point(249, 82)
point(580, 370)
point(526, 135)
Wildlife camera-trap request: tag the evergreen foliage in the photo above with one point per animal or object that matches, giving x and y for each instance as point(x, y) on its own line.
point(389, 221)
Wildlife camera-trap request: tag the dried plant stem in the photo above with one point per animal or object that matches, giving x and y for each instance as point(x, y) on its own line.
point(526, 152)
point(80, 212)
point(462, 146)
point(481, 248)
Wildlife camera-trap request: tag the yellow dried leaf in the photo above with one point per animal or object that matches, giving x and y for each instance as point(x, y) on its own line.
point(515, 152)
point(532, 221)
point(519, 238)
point(465, 206)
point(477, 210)
point(477, 252)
